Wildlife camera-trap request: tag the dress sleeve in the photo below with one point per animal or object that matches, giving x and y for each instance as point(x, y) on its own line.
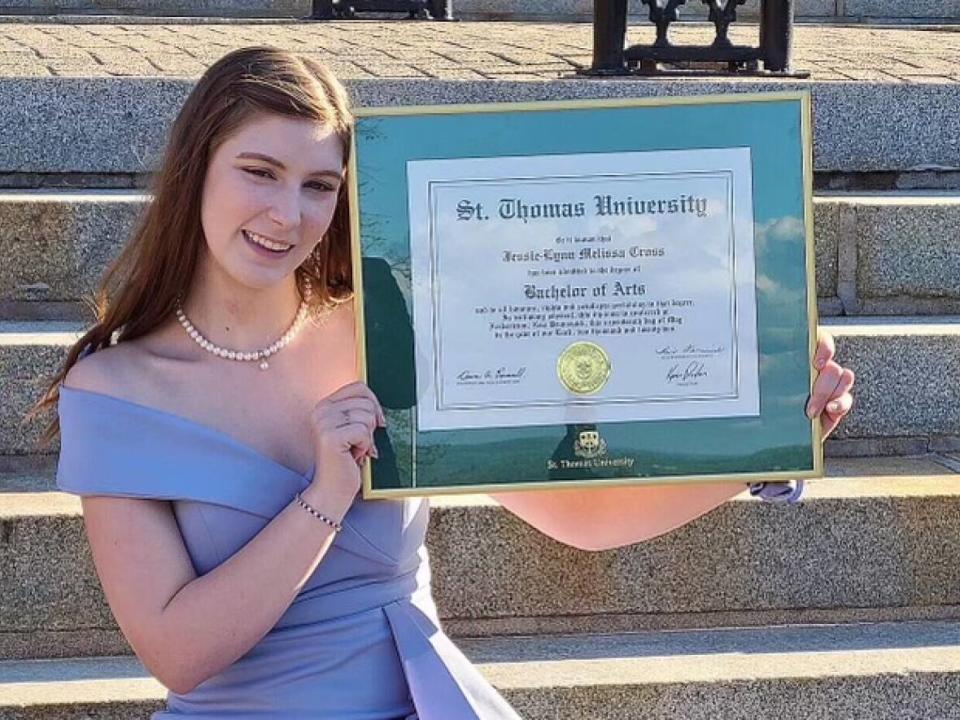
point(110, 446)
point(788, 492)
point(103, 453)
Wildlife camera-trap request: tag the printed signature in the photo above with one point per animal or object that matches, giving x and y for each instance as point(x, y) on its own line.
point(690, 350)
point(498, 376)
point(690, 374)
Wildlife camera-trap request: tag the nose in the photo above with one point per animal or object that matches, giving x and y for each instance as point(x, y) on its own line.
point(284, 209)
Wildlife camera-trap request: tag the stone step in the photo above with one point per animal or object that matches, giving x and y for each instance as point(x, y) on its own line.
point(883, 671)
point(105, 110)
point(876, 540)
point(509, 10)
point(853, 130)
point(879, 253)
point(161, 8)
point(895, 252)
point(58, 244)
point(820, 10)
point(908, 386)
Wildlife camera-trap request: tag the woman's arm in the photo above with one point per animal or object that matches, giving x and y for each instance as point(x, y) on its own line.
point(184, 628)
point(187, 628)
point(605, 518)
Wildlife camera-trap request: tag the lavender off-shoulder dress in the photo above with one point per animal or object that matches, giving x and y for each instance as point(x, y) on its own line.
point(362, 640)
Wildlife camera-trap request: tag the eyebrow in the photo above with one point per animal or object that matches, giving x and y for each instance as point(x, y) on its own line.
point(279, 165)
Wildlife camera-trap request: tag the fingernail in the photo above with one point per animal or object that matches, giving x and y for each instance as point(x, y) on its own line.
point(834, 407)
point(374, 452)
point(820, 363)
point(810, 412)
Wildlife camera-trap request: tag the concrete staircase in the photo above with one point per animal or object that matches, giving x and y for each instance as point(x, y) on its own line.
point(846, 606)
point(844, 11)
point(541, 10)
point(163, 8)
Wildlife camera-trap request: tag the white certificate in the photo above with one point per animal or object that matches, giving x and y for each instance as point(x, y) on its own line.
point(589, 288)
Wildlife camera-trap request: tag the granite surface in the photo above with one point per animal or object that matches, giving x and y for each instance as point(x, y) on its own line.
point(57, 245)
point(917, 9)
point(226, 8)
point(908, 246)
point(879, 672)
point(110, 126)
point(908, 380)
point(870, 536)
point(99, 98)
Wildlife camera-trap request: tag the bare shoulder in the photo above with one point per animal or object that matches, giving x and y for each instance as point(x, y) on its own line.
point(119, 368)
point(104, 370)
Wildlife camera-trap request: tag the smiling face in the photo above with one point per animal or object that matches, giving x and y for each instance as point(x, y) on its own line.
point(268, 197)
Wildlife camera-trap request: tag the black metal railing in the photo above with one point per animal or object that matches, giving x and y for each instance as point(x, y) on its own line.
point(611, 57)
point(348, 9)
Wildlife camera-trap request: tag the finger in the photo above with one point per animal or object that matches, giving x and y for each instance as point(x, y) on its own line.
point(825, 349)
point(836, 410)
point(359, 416)
point(356, 390)
point(843, 388)
point(352, 390)
point(845, 385)
point(360, 457)
point(369, 404)
point(823, 388)
point(355, 406)
point(827, 426)
point(839, 406)
point(355, 437)
point(332, 413)
point(361, 453)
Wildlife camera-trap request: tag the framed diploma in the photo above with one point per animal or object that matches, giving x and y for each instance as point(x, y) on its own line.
point(586, 293)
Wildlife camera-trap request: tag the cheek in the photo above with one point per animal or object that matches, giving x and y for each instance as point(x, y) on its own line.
point(317, 218)
point(227, 205)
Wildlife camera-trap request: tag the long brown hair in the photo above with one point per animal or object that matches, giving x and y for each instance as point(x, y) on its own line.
point(138, 291)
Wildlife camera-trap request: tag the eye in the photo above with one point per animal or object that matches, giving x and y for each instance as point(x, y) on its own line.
point(258, 172)
point(320, 186)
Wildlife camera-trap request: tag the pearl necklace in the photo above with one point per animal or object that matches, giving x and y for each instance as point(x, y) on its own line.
point(261, 355)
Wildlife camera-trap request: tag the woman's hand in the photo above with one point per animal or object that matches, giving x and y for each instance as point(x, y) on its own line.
point(830, 396)
point(343, 425)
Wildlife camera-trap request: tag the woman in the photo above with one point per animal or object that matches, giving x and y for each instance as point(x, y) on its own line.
point(219, 468)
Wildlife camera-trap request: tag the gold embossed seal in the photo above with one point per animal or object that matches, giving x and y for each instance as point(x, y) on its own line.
point(583, 368)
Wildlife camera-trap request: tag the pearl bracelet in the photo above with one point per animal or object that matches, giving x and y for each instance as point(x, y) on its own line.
point(318, 515)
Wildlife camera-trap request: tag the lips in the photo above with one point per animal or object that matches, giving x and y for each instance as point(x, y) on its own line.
point(263, 244)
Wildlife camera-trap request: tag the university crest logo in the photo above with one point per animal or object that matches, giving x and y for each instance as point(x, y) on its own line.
point(589, 445)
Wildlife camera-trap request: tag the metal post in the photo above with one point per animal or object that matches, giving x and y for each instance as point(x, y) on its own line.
point(776, 34)
point(609, 37)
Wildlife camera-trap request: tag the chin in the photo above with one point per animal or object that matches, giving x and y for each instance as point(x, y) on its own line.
point(262, 281)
